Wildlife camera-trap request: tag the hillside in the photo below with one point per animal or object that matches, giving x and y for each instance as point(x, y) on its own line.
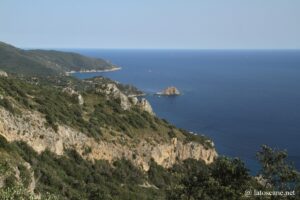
point(65, 138)
point(46, 62)
point(97, 118)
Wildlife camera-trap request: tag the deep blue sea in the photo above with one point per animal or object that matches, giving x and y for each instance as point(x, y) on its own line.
point(240, 99)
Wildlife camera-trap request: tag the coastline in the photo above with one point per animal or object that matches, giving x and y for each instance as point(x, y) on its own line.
point(94, 70)
point(137, 95)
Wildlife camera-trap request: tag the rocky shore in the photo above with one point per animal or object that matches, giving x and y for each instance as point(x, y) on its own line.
point(94, 70)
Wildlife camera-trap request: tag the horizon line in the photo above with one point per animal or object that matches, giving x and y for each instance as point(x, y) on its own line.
point(197, 49)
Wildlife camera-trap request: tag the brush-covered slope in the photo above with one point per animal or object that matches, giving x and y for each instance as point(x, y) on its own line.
point(94, 117)
point(97, 119)
point(46, 62)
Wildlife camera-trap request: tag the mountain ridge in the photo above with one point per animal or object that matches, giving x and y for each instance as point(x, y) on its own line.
point(46, 62)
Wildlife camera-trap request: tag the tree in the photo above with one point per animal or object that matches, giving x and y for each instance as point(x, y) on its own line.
point(224, 179)
point(276, 171)
point(194, 179)
point(231, 172)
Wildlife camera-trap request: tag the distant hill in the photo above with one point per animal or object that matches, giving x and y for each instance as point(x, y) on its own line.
point(46, 62)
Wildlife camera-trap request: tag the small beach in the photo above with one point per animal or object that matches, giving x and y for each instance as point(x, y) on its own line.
point(95, 71)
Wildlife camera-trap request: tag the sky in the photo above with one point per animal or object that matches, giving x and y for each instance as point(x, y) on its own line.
point(154, 24)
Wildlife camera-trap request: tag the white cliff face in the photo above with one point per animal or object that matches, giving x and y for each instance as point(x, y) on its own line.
point(30, 128)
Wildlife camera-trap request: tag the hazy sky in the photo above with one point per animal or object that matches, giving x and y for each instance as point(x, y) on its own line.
point(188, 24)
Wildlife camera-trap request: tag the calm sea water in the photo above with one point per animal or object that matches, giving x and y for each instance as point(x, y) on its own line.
point(240, 99)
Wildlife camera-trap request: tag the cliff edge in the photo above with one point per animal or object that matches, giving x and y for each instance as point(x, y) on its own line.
point(96, 119)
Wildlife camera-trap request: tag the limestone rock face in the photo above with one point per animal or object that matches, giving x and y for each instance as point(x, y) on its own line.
point(3, 73)
point(145, 105)
point(111, 90)
point(169, 91)
point(126, 102)
point(72, 92)
point(30, 127)
point(80, 99)
point(134, 100)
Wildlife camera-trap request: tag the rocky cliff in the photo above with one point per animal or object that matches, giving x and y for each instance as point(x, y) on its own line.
point(96, 119)
point(29, 127)
point(3, 73)
point(126, 101)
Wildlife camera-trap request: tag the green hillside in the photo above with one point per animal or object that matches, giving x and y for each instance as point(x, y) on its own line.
point(46, 62)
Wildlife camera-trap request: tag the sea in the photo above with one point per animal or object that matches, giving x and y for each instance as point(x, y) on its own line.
point(241, 99)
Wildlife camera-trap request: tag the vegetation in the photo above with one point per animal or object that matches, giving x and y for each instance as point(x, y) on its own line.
point(276, 171)
point(43, 62)
point(98, 117)
point(24, 173)
point(72, 177)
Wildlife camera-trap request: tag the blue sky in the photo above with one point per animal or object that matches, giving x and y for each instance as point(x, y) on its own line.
point(190, 24)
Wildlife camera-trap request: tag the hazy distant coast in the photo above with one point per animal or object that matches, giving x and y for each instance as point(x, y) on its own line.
point(94, 70)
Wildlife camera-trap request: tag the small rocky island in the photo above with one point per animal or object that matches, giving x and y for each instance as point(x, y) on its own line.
point(169, 91)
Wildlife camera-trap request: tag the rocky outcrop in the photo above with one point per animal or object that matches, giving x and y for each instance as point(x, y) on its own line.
point(30, 127)
point(111, 90)
point(145, 105)
point(126, 102)
point(3, 73)
point(169, 91)
point(74, 93)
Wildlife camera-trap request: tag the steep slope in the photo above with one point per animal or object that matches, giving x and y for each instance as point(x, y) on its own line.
point(100, 121)
point(46, 62)
point(104, 120)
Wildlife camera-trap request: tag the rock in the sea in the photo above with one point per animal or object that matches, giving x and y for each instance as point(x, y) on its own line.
point(170, 91)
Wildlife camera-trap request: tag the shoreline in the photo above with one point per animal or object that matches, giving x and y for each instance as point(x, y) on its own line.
point(94, 70)
point(137, 95)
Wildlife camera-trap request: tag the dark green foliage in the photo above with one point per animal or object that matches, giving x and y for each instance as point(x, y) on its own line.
point(10, 181)
point(158, 175)
point(219, 181)
point(126, 172)
point(24, 175)
point(276, 170)
point(230, 172)
point(7, 105)
point(72, 177)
